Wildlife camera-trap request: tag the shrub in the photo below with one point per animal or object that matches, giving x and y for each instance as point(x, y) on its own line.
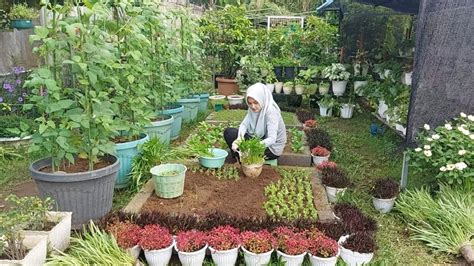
point(322, 246)
point(258, 242)
point(190, 241)
point(318, 137)
point(385, 189)
point(155, 237)
point(320, 151)
point(335, 177)
point(224, 238)
point(15, 126)
point(362, 242)
point(22, 11)
point(353, 219)
point(127, 234)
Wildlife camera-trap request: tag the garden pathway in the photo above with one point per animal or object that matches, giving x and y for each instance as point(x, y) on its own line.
point(27, 188)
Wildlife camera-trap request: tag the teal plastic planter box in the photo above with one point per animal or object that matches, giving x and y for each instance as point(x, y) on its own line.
point(217, 161)
point(22, 24)
point(218, 107)
point(125, 152)
point(204, 102)
point(169, 180)
point(175, 110)
point(161, 129)
point(191, 107)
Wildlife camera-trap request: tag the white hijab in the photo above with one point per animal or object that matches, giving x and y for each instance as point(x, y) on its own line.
point(257, 121)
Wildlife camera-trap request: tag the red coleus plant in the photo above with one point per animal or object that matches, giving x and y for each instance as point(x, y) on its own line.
point(258, 242)
point(310, 123)
point(325, 165)
point(155, 237)
point(224, 238)
point(320, 151)
point(289, 241)
point(126, 233)
point(190, 241)
point(322, 246)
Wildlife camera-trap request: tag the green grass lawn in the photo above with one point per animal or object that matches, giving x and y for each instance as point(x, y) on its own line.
point(239, 115)
point(367, 158)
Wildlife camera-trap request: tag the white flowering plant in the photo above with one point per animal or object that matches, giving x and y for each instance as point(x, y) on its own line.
point(336, 72)
point(448, 151)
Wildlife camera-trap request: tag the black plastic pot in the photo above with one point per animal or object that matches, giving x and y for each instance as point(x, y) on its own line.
point(279, 98)
point(294, 100)
point(278, 72)
point(289, 73)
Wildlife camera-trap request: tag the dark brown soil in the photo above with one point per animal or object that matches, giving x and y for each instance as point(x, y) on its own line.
point(80, 165)
point(205, 194)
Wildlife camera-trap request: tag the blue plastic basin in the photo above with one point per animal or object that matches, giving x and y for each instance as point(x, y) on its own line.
point(214, 162)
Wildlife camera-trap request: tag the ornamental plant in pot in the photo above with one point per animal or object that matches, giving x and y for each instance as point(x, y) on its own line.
point(326, 164)
point(278, 87)
point(291, 246)
point(288, 87)
point(224, 243)
point(128, 236)
point(323, 88)
point(21, 15)
point(320, 155)
point(257, 247)
point(357, 248)
point(299, 86)
point(347, 107)
point(202, 146)
point(339, 76)
point(158, 244)
point(318, 137)
point(252, 156)
point(235, 99)
point(384, 193)
point(78, 116)
point(325, 105)
point(335, 181)
point(191, 246)
point(323, 250)
point(310, 124)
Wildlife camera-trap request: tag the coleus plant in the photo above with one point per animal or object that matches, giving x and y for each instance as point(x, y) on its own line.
point(326, 164)
point(385, 188)
point(258, 242)
point(155, 237)
point(224, 237)
point(322, 246)
point(320, 151)
point(190, 241)
point(289, 241)
point(311, 123)
point(353, 218)
point(335, 177)
point(362, 242)
point(127, 234)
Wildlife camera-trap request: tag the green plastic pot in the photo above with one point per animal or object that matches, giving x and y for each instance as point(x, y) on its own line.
point(161, 128)
point(22, 24)
point(191, 107)
point(169, 180)
point(125, 153)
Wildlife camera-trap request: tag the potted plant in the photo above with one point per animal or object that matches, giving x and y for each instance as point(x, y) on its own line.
point(270, 80)
point(291, 247)
point(235, 99)
point(208, 156)
point(347, 107)
point(278, 86)
point(339, 76)
point(217, 101)
point(169, 179)
point(128, 236)
point(21, 15)
point(335, 181)
point(326, 164)
point(325, 105)
point(384, 193)
point(319, 155)
point(323, 250)
point(309, 124)
point(224, 243)
point(257, 247)
point(288, 87)
point(357, 248)
point(158, 244)
point(299, 86)
point(252, 157)
point(318, 137)
point(191, 246)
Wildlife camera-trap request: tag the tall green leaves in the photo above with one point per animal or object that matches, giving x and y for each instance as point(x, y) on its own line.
point(252, 151)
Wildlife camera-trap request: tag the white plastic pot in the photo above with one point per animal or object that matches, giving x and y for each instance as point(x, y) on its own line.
point(382, 108)
point(347, 110)
point(224, 257)
point(406, 78)
point(357, 85)
point(134, 251)
point(332, 193)
point(353, 258)
point(299, 89)
point(287, 90)
point(325, 111)
point(318, 261)
point(217, 97)
point(37, 249)
point(253, 259)
point(235, 99)
point(317, 160)
point(192, 258)
point(159, 257)
point(59, 236)
point(401, 128)
point(271, 87)
point(339, 87)
point(383, 205)
point(278, 87)
point(323, 90)
point(291, 260)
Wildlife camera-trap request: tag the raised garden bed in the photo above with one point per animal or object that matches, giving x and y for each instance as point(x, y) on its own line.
point(206, 193)
point(239, 115)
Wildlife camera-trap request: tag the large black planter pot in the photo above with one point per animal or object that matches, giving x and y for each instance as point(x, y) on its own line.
point(278, 72)
point(279, 98)
point(313, 100)
point(294, 100)
point(289, 73)
point(88, 195)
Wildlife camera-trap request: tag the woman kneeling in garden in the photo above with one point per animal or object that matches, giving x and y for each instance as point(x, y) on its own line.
point(263, 120)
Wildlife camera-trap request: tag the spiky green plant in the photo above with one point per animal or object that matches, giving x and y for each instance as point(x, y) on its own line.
point(444, 223)
point(252, 151)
